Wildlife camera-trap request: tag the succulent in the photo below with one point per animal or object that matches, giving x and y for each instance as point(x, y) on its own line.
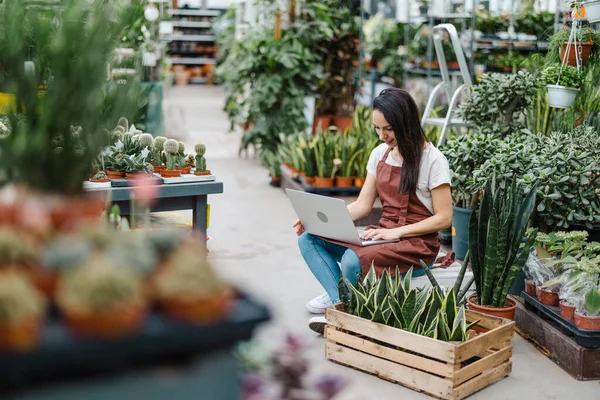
point(137, 164)
point(135, 137)
point(171, 149)
point(181, 154)
point(188, 276)
point(123, 123)
point(190, 161)
point(157, 149)
point(146, 140)
point(100, 286)
point(127, 136)
point(200, 149)
point(16, 248)
point(19, 300)
point(100, 176)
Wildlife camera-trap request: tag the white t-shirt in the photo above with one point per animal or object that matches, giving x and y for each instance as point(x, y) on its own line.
point(434, 170)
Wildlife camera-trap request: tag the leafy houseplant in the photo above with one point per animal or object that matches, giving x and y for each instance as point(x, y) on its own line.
point(391, 301)
point(99, 299)
point(172, 154)
point(563, 82)
point(21, 313)
point(497, 251)
point(200, 149)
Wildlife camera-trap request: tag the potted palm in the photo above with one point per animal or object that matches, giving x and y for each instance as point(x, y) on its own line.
point(21, 313)
point(563, 82)
point(497, 251)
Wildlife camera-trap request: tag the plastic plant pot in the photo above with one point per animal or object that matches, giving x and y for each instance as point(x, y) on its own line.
point(548, 298)
point(561, 97)
point(502, 312)
point(567, 311)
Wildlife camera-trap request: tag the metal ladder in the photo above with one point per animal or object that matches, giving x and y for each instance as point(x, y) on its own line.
point(446, 85)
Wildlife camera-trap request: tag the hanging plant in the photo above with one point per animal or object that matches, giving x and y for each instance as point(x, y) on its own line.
point(563, 82)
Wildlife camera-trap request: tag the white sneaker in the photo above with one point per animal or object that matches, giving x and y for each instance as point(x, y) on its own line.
point(319, 304)
point(317, 324)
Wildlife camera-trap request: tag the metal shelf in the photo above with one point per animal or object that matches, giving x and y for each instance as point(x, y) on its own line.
point(192, 24)
point(192, 60)
point(191, 38)
point(196, 12)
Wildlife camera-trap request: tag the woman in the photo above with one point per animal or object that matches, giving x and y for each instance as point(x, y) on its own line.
point(412, 180)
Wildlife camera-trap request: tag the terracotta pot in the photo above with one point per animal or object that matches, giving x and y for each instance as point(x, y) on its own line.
point(275, 178)
point(100, 180)
point(586, 322)
point(452, 65)
point(342, 123)
point(548, 298)
point(115, 174)
point(530, 287)
point(22, 336)
point(537, 291)
point(8, 214)
point(70, 210)
point(586, 49)
point(434, 64)
point(344, 181)
point(202, 173)
point(210, 309)
point(44, 281)
point(359, 181)
point(139, 175)
point(567, 311)
point(502, 312)
point(322, 120)
point(170, 174)
point(309, 180)
point(111, 324)
point(186, 170)
point(158, 169)
point(323, 182)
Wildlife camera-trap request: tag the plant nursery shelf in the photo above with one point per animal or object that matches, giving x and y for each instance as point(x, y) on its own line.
point(192, 60)
point(192, 24)
point(580, 362)
point(445, 370)
point(195, 12)
point(191, 38)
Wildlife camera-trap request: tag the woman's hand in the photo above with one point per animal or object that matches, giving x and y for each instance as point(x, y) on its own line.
point(381, 234)
point(299, 227)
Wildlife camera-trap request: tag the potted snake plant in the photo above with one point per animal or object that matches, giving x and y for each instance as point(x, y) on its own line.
point(325, 155)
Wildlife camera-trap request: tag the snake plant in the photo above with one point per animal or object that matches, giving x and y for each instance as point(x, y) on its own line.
point(496, 233)
point(392, 301)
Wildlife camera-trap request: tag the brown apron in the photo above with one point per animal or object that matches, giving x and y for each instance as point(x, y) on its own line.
point(399, 209)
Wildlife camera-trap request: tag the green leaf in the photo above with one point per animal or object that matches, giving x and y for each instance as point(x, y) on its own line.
point(408, 308)
point(432, 279)
point(382, 288)
point(449, 306)
point(592, 302)
point(371, 278)
point(407, 279)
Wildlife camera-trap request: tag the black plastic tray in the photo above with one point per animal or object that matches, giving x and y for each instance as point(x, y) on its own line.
point(582, 337)
point(161, 340)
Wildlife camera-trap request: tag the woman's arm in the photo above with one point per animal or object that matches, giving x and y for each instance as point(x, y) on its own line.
point(362, 207)
point(441, 219)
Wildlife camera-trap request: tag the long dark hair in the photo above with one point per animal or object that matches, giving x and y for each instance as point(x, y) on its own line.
point(401, 112)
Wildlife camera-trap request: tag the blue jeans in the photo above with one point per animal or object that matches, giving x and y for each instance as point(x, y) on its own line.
point(323, 257)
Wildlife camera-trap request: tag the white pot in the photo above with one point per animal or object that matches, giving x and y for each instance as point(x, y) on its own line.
point(561, 97)
point(592, 11)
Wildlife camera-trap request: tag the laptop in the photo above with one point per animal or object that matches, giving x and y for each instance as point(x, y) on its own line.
point(328, 217)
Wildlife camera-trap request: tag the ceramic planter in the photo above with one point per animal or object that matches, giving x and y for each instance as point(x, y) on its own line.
point(561, 97)
point(460, 231)
point(548, 298)
point(208, 309)
point(344, 181)
point(202, 173)
point(359, 182)
point(592, 11)
point(118, 323)
point(502, 312)
point(587, 322)
point(567, 311)
point(21, 336)
point(170, 174)
point(323, 182)
point(115, 174)
point(530, 287)
point(586, 50)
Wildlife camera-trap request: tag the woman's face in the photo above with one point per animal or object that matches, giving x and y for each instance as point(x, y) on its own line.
point(384, 129)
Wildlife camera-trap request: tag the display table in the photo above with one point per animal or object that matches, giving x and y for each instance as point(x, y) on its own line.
point(174, 197)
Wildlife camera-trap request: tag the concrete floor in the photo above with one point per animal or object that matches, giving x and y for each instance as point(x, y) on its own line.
point(254, 246)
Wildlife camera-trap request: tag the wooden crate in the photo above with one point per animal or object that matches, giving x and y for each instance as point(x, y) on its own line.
point(444, 370)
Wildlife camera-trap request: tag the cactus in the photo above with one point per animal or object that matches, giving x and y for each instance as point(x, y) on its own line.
point(16, 249)
point(100, 176)
point(200, 149)
point(190, 161)
point(171, 149)
point(181, 154)
point(99, 286)
point(19, 300)
point(123, 123)
point(146, 140)
point(157, 149)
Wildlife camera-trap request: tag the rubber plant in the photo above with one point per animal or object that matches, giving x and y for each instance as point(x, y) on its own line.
point(496, 234)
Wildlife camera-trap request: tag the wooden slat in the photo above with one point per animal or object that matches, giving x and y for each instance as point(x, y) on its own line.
point(481, 366)
point(400, 357)
point(406, 376)
point(488, 340)
point(482, 381)
point(419, 344)
point(485, 321)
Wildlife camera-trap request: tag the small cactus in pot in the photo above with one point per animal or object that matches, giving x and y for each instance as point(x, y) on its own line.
point(171, 148)
point(157, 152)
point(181, 163)
point(200, 149)
point(146, 140)
point(100, 177)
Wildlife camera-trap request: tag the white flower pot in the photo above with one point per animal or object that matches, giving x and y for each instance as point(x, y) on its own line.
point(561, 97)
point(592, 10)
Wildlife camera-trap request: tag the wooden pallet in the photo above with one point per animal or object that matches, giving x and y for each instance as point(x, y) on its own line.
point(449, 371)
